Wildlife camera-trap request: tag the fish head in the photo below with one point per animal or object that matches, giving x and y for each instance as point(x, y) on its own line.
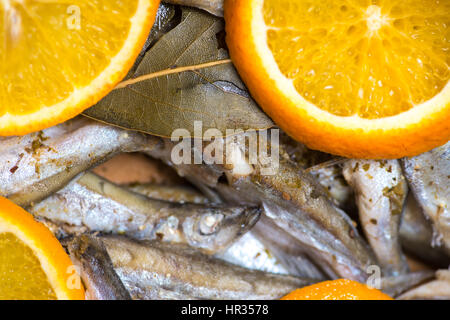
point(220, 228)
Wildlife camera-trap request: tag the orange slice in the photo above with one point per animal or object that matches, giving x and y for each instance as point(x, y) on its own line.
point(33, 264)
point(356, 78)
point(341, 289)
point(58, 58)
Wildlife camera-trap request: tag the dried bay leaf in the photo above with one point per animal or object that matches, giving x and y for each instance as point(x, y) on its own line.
point(190, 78)
point(165, 20)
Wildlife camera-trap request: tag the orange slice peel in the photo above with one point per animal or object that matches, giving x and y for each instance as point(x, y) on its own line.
point(349, 78)
point(34, 265)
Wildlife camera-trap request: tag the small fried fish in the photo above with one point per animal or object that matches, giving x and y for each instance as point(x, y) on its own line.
point(34, 166)
point(381, 191)
point(438, 289)
point(96, 268)
point(93, 204)
point(416, 236)
point(428, 176)
point(291, 197)
point(158, 270)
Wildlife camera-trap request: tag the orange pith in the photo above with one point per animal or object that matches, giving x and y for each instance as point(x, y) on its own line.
point(33, 264)
point(341, 289)
point(59, 58)
point(360, 78)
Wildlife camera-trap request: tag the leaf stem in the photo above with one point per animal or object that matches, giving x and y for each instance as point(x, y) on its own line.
point(153, 75)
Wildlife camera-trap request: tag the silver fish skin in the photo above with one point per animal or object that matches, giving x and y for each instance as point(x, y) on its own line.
point(292, 199)
point(254, 250)
point(416, 236)
point(180, 194)
point(146, 267)
point(267, 248)
point(249, 252)
point(396, 285)
point(212, 6)
point(97, 272)
point(296, 204)
point(38, 164)
point(325, 168)
point(332, 179)
point(93, 204)
point(428, 176)
point(287, 250)
point(381, 192)
point(438, 289)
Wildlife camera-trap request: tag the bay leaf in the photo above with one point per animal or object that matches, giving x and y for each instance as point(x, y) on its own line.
point(165, 20)
point(212, 6)
point(189, 78)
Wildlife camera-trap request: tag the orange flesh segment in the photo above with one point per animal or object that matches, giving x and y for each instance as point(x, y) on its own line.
point(33, 264)
point(21, 274)
point(45, 58)
point(371, 58)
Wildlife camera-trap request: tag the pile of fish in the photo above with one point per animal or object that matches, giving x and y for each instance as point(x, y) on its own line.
point(233, 232)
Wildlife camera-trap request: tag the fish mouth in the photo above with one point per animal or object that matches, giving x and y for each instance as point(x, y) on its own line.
point(251, 217)
point(239, 219)
point(247, 217)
